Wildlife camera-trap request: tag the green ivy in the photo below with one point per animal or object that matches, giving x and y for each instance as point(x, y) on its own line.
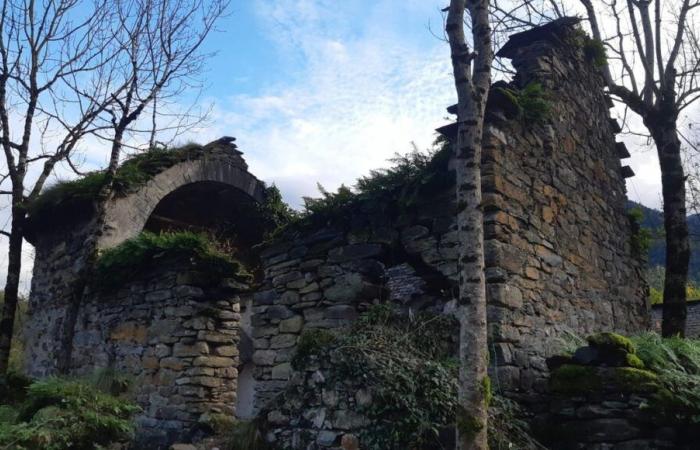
point(413, 382)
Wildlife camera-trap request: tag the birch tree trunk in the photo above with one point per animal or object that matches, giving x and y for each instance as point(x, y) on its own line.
point(472, 74)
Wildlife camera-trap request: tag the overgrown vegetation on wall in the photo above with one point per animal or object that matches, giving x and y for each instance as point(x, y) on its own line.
point(61, 414)
point(383, 192)
point(666, 369)
point(641, 236)
point(119, 264)
point(531, 102)
point(407, 368)
point(131, 174)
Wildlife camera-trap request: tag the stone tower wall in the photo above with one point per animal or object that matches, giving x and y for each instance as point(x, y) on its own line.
point(558, 240)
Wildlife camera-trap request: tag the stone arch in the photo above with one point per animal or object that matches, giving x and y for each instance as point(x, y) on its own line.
point(170, 324)
point(127, 216)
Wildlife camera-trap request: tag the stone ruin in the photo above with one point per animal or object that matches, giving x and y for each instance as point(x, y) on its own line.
point(558, 259)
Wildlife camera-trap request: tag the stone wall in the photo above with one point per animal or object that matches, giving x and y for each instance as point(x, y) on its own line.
point(326, 277)
point(59, 258)
point(558, 250)
point(692, 325)
point(603, 397)
point(557, 243)
point(175, 336)
point(65, 241)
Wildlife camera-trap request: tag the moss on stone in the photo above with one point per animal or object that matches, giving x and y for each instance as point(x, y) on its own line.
point(573, 379)
point(530, 102)
point(65, 198)
point(611, 341)
point(467, 424)
point(486, 387)
point(594, 50)
point(630, 379)
point(633, 360)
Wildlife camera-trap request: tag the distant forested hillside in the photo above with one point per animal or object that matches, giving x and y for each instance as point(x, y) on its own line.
point(654, 221)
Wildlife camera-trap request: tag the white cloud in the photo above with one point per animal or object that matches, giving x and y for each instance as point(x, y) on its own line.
point(363, 93)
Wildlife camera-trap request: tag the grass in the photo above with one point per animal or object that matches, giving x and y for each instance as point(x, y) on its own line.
point(119, 264)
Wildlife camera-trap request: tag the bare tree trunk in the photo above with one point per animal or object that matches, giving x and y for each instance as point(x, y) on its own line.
point(12, 285)
point(472, 86)
point(90, 249)
point(668, 145)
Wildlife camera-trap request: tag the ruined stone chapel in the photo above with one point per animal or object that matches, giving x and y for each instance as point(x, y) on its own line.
point(558, 259)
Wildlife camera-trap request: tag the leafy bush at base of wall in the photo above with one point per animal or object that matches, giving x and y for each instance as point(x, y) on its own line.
point(119, 264)
point(407, 366)
point(60, 414)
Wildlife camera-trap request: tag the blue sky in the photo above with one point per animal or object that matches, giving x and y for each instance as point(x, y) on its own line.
point(323, 91)
point(326, 90)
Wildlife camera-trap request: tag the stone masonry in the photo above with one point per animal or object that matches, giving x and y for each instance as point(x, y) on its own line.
point(175, 336)
point(558, 260)
point(558, 251)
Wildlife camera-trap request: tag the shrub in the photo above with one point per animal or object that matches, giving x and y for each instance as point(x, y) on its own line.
point(68, 198)
point(595, 51)
point(13, 387)
point(407, 365)
point(121, 263)
point(412, 382)
point(60, 414)
point(641, 237)
point(531, 102)
point(410, 176)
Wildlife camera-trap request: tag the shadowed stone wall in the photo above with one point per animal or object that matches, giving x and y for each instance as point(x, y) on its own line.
point(176, 336)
